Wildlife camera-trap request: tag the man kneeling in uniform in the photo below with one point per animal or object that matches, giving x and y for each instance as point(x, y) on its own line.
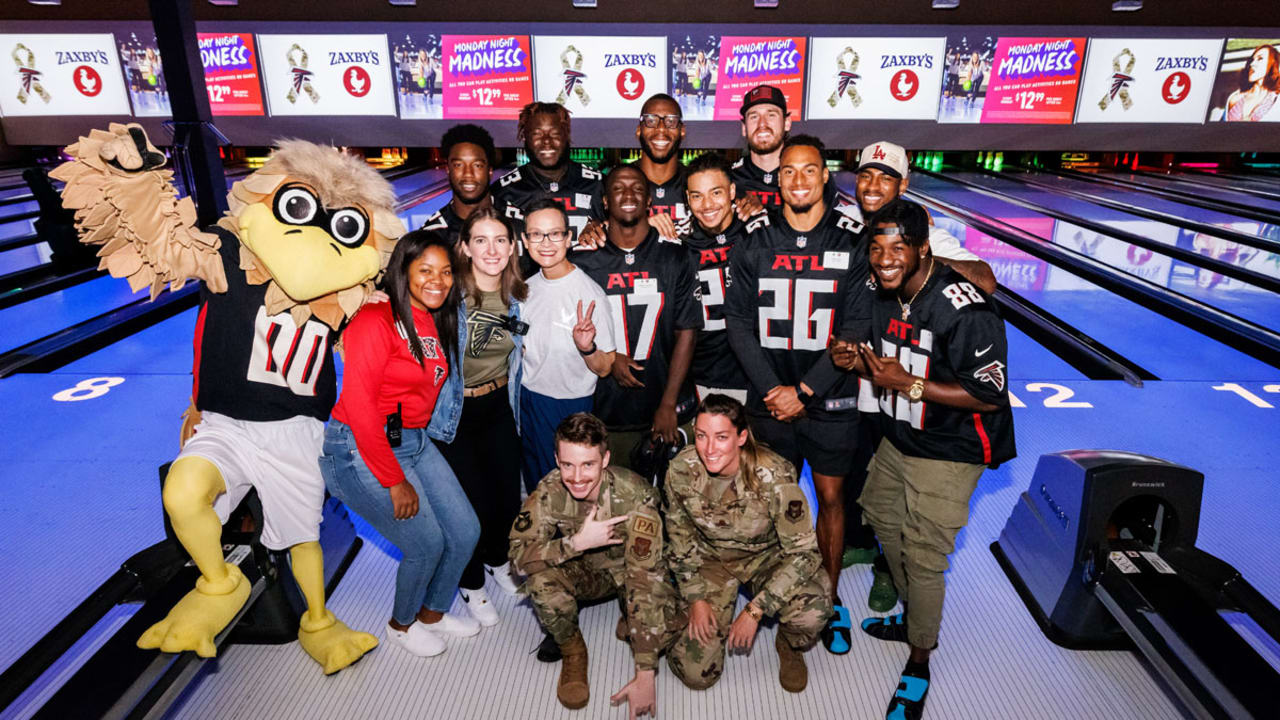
point(588, 532)
point(736, 515)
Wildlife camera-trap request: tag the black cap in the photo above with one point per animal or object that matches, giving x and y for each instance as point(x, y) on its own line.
point(761, 94)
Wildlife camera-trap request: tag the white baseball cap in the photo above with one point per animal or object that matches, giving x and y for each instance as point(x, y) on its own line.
point(884, 156)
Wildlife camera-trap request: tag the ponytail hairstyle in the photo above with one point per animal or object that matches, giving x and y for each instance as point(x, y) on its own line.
point(409, 248)
point(749, 453)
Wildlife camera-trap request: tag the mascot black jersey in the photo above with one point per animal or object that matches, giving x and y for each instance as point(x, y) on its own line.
point(578, 191)
point(714, 364)
point(952, 334)
point(252, 366)
point(791, 292)
point(651, 296)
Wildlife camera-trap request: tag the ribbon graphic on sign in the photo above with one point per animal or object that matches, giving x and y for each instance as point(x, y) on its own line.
point(30, 75)
point(1120, 81)
point(301, 75)
point(573, 78)
point(848, 78)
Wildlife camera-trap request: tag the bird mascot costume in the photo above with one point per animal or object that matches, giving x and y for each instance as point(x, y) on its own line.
point(291, 261)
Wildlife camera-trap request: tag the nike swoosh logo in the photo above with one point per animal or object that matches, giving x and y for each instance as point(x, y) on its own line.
point(980, 353)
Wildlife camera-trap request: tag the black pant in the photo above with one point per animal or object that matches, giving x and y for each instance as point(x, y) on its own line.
point(485, 455)
point(856, 532)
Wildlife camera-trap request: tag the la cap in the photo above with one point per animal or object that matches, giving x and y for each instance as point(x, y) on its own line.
point(884, 156)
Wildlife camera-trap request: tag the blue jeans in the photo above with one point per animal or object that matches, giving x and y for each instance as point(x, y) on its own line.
point(436, 543)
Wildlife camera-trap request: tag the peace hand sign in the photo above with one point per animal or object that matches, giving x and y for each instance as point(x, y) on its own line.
point(584, 333)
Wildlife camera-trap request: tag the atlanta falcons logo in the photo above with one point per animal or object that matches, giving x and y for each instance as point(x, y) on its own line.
point(484, 327)
point(993, 373)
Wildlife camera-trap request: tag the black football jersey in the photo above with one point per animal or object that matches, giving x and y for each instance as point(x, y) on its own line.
point(579, 191)
point(254, 366)
point(749, 179)
point(791, 292)
point(446, 221)
point(714, 364)
point(952, 334)
point(669, 198)
point(651, 295)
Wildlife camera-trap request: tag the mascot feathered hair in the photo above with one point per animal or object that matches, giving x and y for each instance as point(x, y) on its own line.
point(305, 238)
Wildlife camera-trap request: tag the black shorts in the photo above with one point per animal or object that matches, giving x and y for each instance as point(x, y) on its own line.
point(828, 445)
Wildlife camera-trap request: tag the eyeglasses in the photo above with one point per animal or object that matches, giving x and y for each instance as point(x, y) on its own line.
point(555, 237)
point(650, 120)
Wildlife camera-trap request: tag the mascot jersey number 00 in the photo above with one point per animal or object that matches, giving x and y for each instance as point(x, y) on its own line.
point(293, 259)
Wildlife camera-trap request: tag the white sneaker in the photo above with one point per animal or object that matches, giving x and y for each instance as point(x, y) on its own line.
point(454, 625)
point(418, 640)
point(479, 606)
point(502, 576)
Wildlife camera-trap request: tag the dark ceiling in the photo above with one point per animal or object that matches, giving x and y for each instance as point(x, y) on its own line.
point(1237, 13)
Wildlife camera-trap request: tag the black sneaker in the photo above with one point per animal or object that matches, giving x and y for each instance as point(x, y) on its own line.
point(548, 650)
point(835, 636)
point(908, 702)
point(892, 628)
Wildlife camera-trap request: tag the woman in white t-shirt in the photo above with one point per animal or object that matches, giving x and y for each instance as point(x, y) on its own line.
point(570, 342)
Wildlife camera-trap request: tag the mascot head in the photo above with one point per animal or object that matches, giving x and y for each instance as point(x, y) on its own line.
point(316, 223)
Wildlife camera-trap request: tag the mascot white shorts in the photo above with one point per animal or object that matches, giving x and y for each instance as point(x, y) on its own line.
point(280, 458)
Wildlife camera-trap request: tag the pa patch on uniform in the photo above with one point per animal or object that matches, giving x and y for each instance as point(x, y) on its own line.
point(643, 540)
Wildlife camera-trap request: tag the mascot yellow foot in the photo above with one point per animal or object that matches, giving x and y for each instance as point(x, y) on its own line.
point(199, 616)
point(331, 643)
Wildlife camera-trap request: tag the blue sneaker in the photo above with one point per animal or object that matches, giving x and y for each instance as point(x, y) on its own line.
point(908, 702)
point(835, 636)
point(892, 628)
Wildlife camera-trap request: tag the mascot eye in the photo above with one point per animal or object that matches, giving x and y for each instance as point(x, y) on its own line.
point(296, 206)
point(349, 227)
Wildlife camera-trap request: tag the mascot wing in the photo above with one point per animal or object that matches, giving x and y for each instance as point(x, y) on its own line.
point(126, 204)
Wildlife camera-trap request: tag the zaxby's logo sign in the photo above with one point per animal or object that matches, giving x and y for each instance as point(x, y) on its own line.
point(327, 74)
point(1146, 80)
point(875, 78)
point(63, 75)
point(601, 77)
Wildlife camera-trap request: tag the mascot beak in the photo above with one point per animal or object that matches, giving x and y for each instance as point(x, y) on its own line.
point(306, 261)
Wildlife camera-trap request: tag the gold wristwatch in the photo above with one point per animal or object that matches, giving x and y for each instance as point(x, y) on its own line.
point(916, 391)
point(754, 611)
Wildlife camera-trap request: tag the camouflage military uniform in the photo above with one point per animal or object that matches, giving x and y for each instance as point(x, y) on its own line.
point(636, 569)
point(721, 535)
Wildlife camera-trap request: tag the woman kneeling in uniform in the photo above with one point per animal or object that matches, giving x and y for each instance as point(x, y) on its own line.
point(735, 515)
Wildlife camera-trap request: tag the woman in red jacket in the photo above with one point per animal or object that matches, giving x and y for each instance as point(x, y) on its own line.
point(377, 457)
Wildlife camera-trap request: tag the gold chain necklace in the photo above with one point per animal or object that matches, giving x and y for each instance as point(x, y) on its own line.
point(906, 309)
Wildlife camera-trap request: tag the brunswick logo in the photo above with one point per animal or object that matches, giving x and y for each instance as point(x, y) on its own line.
point(301, 76)
point(573, 77)
point(903, 85)
point(28, 75)
point(1120, 81)
point(847, 78)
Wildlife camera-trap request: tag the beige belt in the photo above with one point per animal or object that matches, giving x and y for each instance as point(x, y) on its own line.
point(484, 388)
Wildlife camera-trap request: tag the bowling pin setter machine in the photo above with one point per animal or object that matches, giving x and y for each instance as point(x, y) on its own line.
point(1101, 548)
point(122, 681)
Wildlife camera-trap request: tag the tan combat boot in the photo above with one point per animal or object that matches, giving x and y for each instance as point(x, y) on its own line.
point(792, 672)
point(573, 691)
